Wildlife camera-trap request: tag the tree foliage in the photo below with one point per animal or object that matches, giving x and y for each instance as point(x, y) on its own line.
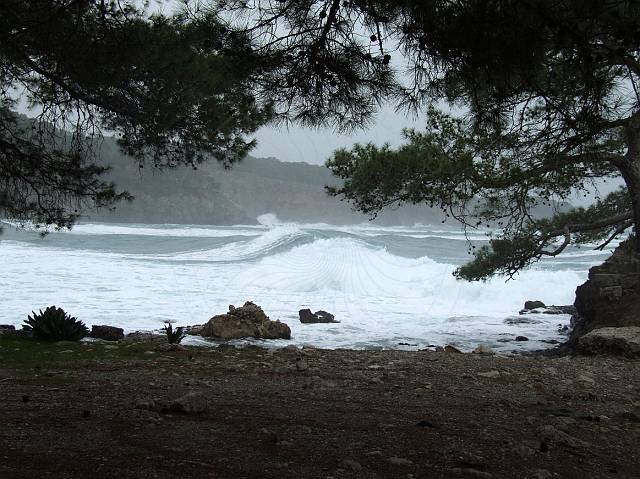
point(174, 89)
point(542, 98)
point(538, 99)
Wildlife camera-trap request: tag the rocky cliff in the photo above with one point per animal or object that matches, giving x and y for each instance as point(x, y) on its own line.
point(611, 295)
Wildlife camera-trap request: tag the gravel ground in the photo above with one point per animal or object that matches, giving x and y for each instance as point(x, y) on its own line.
point(135, 410)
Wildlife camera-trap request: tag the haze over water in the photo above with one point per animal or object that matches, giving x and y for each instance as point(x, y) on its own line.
point(387, 285)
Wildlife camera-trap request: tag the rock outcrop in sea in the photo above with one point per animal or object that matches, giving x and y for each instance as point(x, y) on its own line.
point(307, 317)
point(538, 307)
point(247, 321)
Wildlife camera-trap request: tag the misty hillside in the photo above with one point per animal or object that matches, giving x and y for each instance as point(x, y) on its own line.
point(255, 186)
point(294, 192)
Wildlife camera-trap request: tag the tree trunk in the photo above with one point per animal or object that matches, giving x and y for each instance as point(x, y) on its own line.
point(630, 170)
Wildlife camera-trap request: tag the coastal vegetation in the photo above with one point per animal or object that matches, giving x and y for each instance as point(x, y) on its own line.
point(174, 336)
point(54, 324)
point(171, 88)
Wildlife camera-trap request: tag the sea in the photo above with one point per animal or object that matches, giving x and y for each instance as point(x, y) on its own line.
point(390, 287)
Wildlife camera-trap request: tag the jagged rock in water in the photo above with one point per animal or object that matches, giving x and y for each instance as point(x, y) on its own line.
point(248, 321)
point(553, 309)
point(624, 341)
point(521, 320)
point(307, 317)
point(107, 333)
point(533, 305)
point(611, 295)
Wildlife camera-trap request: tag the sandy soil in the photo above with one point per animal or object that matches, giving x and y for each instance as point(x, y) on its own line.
point(78, 411)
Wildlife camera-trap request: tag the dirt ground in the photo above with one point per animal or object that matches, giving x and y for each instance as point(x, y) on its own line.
point(114, 411)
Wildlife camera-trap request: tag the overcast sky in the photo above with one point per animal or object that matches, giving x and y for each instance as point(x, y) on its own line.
point(316, 146)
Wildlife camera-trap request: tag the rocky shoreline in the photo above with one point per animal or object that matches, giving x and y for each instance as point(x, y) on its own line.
point(249, 322)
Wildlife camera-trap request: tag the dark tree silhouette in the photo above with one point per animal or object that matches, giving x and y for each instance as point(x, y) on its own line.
point(173, 89)
point(545, 101)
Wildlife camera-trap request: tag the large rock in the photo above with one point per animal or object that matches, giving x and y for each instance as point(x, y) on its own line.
point(248, 321)
point(307, 317)
point(533, 305)
point(623, 341)
point(7, 328)
point(108, 333)
point(611, 295)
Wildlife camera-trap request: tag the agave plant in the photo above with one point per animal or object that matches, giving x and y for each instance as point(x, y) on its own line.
point(174, 336)
point(54, 324)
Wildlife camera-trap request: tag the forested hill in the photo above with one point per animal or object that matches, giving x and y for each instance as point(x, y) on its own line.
point(255, 186)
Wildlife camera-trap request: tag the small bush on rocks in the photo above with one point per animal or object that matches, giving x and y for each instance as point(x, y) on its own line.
point(174, 336)
point(54, 324)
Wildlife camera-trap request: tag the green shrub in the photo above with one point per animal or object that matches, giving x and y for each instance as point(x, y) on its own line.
point(174, 336)
point(55, 325)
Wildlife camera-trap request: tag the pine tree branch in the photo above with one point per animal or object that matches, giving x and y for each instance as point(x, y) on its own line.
point(561, 248)
point(619, 230)
point(331, 17)
point(596, 225)
point(624, 221)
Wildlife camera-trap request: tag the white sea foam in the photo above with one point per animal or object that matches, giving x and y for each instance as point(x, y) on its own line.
point(161, 230)
point(381, 298)
point(242, 250)
point(352, 268)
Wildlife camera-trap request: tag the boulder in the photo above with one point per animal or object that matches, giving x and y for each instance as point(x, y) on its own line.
point(451, 349)
point(7, 328)
point(624, 341)
point(248, 321)
point(533, 305)
point(307, 317)
point(107, 333)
